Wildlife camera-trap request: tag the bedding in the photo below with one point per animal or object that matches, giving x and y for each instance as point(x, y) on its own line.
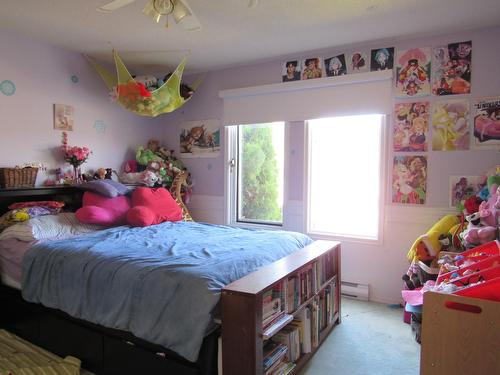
point(58, 226)
point(160, 283)
point(11, 255)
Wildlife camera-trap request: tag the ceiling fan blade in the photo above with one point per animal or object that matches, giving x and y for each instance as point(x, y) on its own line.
point(184, 16)
point(114, 5)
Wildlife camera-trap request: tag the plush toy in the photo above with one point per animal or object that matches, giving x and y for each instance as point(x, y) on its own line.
point(130, 166)
point(148, 81)
point(427, 246)
point(101, 210)
point(147, 178)
point(100, 174)
point(164, 153)
point(144, 156)
point(153, 145)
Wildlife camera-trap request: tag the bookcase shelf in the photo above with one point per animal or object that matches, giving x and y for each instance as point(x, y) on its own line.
point(247, 301)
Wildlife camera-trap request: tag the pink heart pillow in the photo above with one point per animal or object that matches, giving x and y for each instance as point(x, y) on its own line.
point(152, 206)
point(100, 210)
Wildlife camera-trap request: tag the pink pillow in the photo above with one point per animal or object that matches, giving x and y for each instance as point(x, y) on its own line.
point(152, 206)
point(101, 210)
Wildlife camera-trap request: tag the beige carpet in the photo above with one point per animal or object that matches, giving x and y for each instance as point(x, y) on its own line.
point(371, 340)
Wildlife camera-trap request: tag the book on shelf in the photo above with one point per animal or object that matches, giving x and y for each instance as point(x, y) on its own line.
point(276, 325)
point(273, 352)
point(284, 368)
point(289, 336)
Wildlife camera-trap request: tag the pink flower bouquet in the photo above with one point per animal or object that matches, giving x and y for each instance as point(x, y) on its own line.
point(74, 155)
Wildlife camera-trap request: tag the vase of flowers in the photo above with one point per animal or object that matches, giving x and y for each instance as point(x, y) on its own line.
point(76, 156)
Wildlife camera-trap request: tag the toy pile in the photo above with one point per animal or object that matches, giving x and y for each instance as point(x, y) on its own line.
point(460, 254)
point(155, 166)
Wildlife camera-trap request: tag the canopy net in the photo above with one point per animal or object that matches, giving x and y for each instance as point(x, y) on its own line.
point(136, 98)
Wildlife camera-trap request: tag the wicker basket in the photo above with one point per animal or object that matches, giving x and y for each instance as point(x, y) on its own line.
point(18, 177)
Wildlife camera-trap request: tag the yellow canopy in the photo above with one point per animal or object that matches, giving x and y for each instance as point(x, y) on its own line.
point(136, 98)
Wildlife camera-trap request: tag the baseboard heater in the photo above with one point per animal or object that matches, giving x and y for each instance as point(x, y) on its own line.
point(355, 290)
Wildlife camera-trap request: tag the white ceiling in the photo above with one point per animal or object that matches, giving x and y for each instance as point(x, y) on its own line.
point(233, 33)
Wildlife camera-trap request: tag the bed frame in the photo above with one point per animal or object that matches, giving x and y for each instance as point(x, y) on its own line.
point(102, 350)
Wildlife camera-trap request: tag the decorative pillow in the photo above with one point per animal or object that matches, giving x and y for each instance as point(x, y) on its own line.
point(152, 206)
point(101, 210)
point(108, 188)
point(50, 204)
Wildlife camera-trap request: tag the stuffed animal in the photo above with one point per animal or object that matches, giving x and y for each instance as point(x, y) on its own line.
point(148, 81)
point(427, 246)
point(144, 156)
point(147, 178)
point(100, 174)
point(152, 206)
point(130, 166)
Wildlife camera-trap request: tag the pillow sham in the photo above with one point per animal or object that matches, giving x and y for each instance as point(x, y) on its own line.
point(51, 227)
point(107, 188)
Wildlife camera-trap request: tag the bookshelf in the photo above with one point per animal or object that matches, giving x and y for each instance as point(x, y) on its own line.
point(293, 302)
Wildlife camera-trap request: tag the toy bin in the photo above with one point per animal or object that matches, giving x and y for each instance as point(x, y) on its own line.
point(460, 335)
point(426, 273)
point(483, 264)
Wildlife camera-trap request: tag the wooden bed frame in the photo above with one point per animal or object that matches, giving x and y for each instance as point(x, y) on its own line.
point(102, 350)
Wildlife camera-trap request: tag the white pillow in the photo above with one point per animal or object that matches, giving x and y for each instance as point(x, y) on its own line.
point(46, 227)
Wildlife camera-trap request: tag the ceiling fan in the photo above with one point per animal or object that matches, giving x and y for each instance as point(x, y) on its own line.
point(178, 9)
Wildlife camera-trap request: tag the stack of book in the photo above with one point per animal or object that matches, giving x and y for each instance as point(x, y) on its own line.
point(290, 337)
point(274, 353)
point(272, 302)
point(301, 286)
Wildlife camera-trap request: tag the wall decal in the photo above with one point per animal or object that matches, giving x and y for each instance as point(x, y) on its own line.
point(74, 78)
point(7, 87)
point(100, 126)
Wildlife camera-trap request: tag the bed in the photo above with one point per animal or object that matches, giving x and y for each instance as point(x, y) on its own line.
point(93, 327)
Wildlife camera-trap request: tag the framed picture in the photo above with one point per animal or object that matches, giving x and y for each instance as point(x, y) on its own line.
point(451, 74)
point(200, 139)
point(413, 72)
point(63, 117)
point(291, 71)
point(312, 68)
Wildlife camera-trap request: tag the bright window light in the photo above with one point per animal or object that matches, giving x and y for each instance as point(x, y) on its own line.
point(345, 176)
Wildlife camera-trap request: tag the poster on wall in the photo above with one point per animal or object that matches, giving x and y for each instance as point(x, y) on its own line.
point(450, 125)
point(487, 123)
point(63, 117)
point(411, 126)
point(312, 68)
point(291, 71)
point(335, 66)
point(409, 179)
point(463, 187)
point(451, 72)
point(382, 59)
point(413, 72)
point(200, 139)
point(358, 62)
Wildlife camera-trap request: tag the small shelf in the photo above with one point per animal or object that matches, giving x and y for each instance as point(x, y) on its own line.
point(276, 327)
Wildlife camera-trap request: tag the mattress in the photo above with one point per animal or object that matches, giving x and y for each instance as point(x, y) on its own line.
point(11, 256)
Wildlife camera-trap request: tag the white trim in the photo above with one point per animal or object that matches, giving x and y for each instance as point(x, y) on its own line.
point(307, 84)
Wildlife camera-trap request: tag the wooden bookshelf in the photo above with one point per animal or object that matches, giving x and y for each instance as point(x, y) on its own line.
point(242, 306)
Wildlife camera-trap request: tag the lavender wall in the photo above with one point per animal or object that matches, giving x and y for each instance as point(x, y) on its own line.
point(381, 265)
point(42, 74)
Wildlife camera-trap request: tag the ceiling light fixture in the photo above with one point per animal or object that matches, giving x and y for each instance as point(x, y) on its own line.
point(158, 8)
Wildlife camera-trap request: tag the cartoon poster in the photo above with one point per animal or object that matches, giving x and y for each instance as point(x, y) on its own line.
point(312, 68)
point(335, 66)
point(291, 71)
point(409, 179)
point(487, 123)
point(450, 125)
point(411, 126)
point(382, 59)
point(358, 62)
point(452, 69)
point(63, 117)
point(200, 139)
point(413, 72)
point(463, 187)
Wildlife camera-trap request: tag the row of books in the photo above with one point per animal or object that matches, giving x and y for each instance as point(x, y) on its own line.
point(274, 352)
point(327, 306)
point(300, 287)
point(325, 268)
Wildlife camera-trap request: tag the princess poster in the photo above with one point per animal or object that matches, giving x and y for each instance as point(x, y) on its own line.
point(413, 72)
point(409, 179)
point(450, 125)
point(487, 123)
point(452, 69)
point(411, 126)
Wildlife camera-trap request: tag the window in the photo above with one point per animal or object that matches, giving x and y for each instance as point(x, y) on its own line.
point(345, 176)
point(256, 173)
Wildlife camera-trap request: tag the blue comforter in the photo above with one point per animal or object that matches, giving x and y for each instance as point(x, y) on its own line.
point(161, 282)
